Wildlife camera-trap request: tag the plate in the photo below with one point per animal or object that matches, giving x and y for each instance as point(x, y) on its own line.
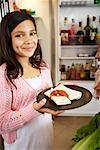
point(85, 98)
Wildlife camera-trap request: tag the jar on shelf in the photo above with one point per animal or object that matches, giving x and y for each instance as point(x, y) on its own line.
point(65, 37)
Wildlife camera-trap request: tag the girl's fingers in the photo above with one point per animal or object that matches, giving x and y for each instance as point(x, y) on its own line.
point(53, 112)
point(38, 106)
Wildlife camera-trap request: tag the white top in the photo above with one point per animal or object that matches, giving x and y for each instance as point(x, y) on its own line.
point(35, 82)
point(38, 133)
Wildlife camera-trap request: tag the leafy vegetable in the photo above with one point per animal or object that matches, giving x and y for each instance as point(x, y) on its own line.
point(88, 136)
point(88, 128)
point(90, 142)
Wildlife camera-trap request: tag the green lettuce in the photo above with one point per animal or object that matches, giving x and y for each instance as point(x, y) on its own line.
point(90, 142)
point(88, 136)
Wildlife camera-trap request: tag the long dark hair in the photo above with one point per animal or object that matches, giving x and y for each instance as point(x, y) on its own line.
point(7, 54)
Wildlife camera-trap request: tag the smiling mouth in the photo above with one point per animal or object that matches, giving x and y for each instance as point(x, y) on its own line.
point(28, 49)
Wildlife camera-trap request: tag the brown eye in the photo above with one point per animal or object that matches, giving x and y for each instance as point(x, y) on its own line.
point(33, 34)
point(19, 35)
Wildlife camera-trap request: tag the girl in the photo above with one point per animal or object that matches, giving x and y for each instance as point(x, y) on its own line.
point(24, 124)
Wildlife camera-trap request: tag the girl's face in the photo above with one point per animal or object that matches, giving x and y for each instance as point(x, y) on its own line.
point(24, 39)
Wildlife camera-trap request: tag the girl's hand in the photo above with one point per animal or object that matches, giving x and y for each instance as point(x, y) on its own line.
point(97, 91)
point(97, 86)
point(97, 56)
point(38, 106)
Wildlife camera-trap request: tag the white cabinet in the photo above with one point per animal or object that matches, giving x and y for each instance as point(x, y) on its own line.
point(69, 54)
point(66, 54)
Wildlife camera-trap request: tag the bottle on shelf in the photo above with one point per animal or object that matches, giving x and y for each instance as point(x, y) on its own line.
point(93, 24)
point(63, 72)
point(73, 31)
point(80, 34)
point(78, 71)
point(87, 30)
point(82, 72)
point(93, 31)
point(87, 71)
point(65, 21)
point(68, 73)
point(73, 72)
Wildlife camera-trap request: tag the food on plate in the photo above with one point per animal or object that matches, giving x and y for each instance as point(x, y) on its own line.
point(58, 93)
point(61, 100)
point(62, 95)
point(72, 94)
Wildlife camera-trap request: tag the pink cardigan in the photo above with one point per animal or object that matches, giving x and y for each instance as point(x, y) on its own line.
point(16, 105)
